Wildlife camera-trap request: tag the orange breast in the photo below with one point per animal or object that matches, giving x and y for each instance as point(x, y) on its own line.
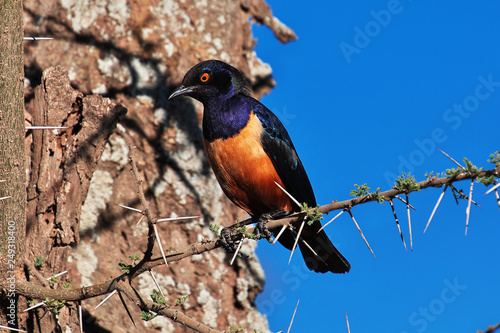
point(245, 172)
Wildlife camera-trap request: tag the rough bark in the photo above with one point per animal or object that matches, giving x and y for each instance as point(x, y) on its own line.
point(12, 160)
point(136, 52)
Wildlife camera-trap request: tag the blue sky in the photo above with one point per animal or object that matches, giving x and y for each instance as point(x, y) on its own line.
point(371, 89)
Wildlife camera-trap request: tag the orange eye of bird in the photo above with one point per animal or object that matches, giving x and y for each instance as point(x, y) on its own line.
point(204, 77)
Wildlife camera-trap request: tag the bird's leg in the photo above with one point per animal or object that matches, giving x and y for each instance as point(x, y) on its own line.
point(226, 235)
point(261, 229)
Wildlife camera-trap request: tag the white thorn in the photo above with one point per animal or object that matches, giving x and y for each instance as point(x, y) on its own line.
point(139, 220)
point(236, 252)
point(57, 275)
point(104, 300)
point(498, 198)
point(130, 208)
point(452, 159)
point(279, 233)
point(156, 282)
point(159, 243)
point(435, 208)
point(44, 127)
point(37, 38)
point(467, 211)
point(291, 197)
point(34, 306)
point(341, 212)
point(294, 311)
point(409, 221)
point(12, 329)
point(296, 240)
point(361, 232)
point(3, 198)
point(493, 188)
point(80, 316)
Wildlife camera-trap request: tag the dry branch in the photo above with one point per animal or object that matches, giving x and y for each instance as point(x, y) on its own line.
point(122, 283)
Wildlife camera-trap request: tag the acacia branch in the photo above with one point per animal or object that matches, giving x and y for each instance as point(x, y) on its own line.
point(122, 282)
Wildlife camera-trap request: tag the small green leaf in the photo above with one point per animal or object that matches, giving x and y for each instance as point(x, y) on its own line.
point(495, 158)
point(157, 297)
point(38, 261)
point(214, 228)
point(406, 183)
point(124, 267)
point(147, 316)
point(360, 190)
point(54, 305)
point(181, 300)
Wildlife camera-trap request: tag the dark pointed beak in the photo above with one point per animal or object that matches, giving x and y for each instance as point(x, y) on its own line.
point(181, 91)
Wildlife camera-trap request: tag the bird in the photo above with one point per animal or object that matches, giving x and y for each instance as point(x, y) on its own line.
point(250, 152)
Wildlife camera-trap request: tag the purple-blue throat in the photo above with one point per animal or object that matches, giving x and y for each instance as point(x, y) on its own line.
point(226, 117)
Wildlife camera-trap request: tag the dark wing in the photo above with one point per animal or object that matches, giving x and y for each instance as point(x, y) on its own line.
point(278, 145)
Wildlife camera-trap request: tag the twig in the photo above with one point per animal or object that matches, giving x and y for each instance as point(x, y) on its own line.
point(152, 230)
point(176, 218)
point(397, 223)
point(32, 270)
point(361, 232)
point(435, 208)
point(434, 182)
point(172, 313)
point(347, 321)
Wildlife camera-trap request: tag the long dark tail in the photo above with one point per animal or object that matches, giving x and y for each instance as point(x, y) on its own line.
point(321, 255)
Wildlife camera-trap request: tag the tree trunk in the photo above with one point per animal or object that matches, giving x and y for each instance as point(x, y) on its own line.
point(12, 160)
point(136, 53)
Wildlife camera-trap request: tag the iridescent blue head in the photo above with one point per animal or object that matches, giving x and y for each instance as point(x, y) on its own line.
point(212, 81)
point(225, 95)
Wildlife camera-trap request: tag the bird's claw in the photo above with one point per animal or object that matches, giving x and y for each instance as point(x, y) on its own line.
point(261, 229)
point(226, 237)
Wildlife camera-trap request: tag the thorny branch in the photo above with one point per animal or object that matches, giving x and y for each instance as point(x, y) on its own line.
point(122, 283)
